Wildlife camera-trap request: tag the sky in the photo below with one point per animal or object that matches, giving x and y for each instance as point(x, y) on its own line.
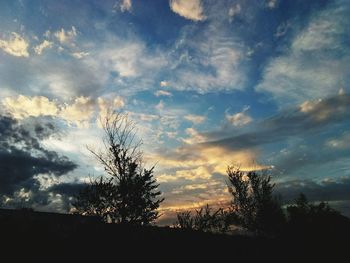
point(259, 84)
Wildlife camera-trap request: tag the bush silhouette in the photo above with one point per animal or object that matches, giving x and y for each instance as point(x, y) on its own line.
point(204, 219)
point(254, 207)
point(131, 193)
point(305, 218)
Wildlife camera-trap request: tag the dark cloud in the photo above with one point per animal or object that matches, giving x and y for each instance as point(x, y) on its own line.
point(67, 189)
point(295, 122)
point(22, 158)
point(326, 190)
point(311, 154)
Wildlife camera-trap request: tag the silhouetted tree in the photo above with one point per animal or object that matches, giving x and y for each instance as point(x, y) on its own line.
point(204, 219)
point(184, 220)
point(314, 219)
point(131, 195)
point(96, 199)
point(254, 206)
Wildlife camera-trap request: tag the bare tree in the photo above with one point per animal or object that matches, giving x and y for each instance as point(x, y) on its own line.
point(132, 195)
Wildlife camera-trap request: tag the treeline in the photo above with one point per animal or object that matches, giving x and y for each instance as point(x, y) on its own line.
point(129, 195)
point(256, 210)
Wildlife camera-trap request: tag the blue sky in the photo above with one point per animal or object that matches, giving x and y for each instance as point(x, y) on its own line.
point(260, 84)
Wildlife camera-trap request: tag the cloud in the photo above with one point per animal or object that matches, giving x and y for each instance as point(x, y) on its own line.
point(195, 119)
point(41, 47)
point(106, 105)
point(194, 137)
point(199, 161)
point(234, 11)
point(282, 29)
point(23, 107)
point(160, 106)
point(132, 65)
point(81, 111)
point(208, 60)
point(315, 64)
point(80, 55)
point(190, 9)
point(50, 76)
point(66, 36)
point(343, 142)
point(22, 157)
point(165, 93)
point(188, 174)
point(125, 5)
point(272, 3)
point(164, 83)
point(325, 190)
point(289, 123)
point(240, 118)
point(16, 45)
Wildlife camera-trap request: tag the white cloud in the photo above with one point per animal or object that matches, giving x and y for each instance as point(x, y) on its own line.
point(130, 59)
point(107, 105)
point(308, 106)
point(196, 119)
point(160, 106)
point(66, 36)
point(194, 137)
point(80, 55)
point(321, 33)
point(16, 45)
point(272, 3)
point(316, 63)
point(343, 142)
point(22, 107)
point(164, 83)
point(41, 47)
point(341, 91)
point(214, 66)
point(282, 29)
point(190, 9)
point(125, 5)
point(234, 11)
point(81, 111)
point(240, 118)
point(165, 93)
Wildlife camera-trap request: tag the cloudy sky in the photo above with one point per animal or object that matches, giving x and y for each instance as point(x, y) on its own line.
point(254, 83)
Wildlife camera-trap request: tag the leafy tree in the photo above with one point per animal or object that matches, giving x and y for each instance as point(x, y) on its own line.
point(131, 193)
point(254, 206)
point(96, 198)
point(314, 219)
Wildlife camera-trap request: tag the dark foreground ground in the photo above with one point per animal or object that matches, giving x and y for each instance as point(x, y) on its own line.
point(48, 236)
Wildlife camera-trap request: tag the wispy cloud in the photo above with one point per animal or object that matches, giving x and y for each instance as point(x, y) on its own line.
point(42, 46)
point(66, 36)
point(165, 93)
point(290, 123)
point(315, 65)
point(195, 119)
point(240, 118)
